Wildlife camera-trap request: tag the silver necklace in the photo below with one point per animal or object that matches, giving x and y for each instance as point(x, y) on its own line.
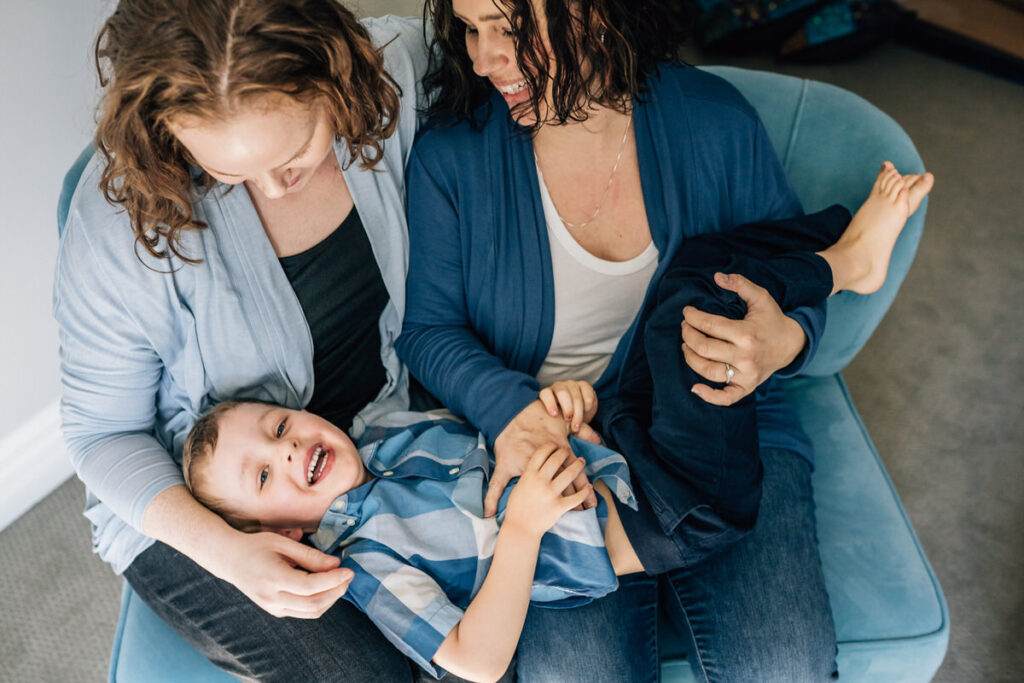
point(607, 188)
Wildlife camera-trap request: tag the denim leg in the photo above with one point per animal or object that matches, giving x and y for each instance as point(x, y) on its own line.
point(611, 639)
point(758, 611)
point(250, 644)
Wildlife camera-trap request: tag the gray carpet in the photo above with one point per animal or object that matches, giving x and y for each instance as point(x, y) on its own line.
point(940, 386)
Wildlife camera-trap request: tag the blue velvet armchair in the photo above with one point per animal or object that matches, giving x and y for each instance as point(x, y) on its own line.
point(891, 618)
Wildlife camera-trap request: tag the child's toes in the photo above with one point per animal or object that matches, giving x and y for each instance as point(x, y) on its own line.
point(892, 182)
point(880, 181)
point(899, 184)
point(917, 190)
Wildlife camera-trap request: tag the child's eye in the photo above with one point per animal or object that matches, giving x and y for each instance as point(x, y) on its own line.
point(280, 428)
point(264, 473)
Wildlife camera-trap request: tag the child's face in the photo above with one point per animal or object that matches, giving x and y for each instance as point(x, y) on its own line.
point(281, 467)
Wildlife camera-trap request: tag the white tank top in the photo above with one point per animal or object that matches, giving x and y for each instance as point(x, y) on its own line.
point(595, 301)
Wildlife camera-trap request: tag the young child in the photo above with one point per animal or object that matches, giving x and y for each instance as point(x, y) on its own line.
point(444, 584)
point(450, 587)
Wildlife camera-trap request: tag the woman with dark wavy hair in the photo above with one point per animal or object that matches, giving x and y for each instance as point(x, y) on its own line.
point(240, 231)
point(570, 155)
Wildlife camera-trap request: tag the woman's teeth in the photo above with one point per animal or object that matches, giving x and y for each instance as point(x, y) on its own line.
point(313, 474)
point(512, 89)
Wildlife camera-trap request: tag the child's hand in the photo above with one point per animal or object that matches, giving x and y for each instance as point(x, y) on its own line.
point(536, 501)
point(575, 399)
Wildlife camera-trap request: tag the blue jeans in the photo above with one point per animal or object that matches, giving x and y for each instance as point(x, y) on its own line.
point(239, 637)
point(583, 644)
point(758, 610)
point(605, 640)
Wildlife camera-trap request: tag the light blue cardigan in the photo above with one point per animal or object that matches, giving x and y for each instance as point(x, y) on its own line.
point(145, 351)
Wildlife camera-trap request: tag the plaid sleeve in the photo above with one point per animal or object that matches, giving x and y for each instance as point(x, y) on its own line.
point(404, 602)
point(608, 466)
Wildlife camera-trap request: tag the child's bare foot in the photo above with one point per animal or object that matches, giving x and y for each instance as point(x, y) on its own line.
point(860, 259)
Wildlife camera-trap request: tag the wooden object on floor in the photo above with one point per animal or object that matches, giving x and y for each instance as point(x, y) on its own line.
point(989, 22)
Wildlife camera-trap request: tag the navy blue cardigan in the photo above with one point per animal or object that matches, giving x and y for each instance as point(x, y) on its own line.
point(480, 300)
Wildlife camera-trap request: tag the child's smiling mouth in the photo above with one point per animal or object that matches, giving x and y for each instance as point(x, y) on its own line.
point(317, 460)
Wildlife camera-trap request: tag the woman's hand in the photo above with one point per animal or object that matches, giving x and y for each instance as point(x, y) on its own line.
point(537, 501)
point(764, 341)
point(266, 567)
point(575, 400)
point(532, 428)
point(284, 577)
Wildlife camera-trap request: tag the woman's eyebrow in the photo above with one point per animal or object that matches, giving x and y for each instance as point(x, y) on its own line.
point(487, 17)
point(295, 156)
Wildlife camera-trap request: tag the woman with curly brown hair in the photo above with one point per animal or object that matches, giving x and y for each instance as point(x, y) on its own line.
point(239, 232)
point(570, 155)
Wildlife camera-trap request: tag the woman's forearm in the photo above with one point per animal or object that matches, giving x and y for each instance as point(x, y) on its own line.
point(177, 519)
point(481, 645)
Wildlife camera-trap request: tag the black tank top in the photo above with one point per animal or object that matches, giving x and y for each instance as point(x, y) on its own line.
point(342, 295)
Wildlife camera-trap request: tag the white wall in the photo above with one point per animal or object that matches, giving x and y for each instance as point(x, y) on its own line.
point(47, 96)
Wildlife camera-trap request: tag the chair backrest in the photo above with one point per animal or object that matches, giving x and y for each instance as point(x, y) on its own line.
point(67, 188)
point(832, 144)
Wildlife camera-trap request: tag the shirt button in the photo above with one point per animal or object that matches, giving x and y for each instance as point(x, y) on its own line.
point(351, 522)
point(386, 474)
point(454, 470)
point(340, 505)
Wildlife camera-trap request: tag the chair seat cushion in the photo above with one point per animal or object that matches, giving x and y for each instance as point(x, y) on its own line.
point(146, 650)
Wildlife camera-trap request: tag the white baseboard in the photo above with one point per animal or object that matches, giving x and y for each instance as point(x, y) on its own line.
point(33, 462)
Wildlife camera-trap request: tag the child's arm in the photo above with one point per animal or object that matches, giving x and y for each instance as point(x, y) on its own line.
point(480, 647)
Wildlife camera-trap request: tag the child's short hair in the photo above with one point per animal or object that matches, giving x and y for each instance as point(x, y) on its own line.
point(196, 454)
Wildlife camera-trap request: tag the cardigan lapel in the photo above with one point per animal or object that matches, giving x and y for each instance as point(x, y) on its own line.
point(268, 303)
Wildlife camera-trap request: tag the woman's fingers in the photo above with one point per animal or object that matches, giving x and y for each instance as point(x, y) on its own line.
point(308, 558)
point(720, 397)
point(709, 348)
point(711, 327)
point(753, 295)
point(307, 606)
point(713, 370)
point(495, 487)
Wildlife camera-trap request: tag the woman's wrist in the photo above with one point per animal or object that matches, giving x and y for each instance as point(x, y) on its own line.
point(174, 517)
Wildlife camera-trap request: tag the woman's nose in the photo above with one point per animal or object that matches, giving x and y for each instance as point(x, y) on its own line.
point(491, 55)
point(272, 186)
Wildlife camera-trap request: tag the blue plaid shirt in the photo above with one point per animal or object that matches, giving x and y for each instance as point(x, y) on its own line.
point(420, 547)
